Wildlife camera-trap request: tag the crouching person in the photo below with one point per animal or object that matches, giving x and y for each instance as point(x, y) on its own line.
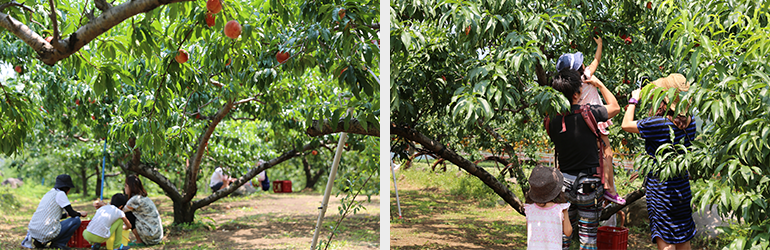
point(106, 223)
point(45, 226)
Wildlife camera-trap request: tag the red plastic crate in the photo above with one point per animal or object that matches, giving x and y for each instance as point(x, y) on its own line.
point(282, 186)
point(77, 239)
point(615, 238)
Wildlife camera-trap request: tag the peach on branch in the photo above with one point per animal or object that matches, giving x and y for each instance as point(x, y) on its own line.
point(214, 6)
point(182, 56)
point(282, 56)
point(232, 29)
point(210, 20)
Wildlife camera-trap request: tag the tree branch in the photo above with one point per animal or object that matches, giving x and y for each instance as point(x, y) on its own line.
point(254, 98)
point(248, 176)
point(14, 3)
point(80, 138)
point(215, 83)
point(353, 128)
point(55, 23)
point(154, 176)
point(192, 172)
point(83, 35)
point(102, 5)
point(245, 118)
point(445, 153)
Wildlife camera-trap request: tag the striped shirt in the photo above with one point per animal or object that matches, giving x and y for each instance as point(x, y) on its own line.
point(45, 223)
point(668, 202)
point(656, 131)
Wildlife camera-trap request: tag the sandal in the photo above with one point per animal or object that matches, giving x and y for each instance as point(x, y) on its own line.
point(134, 244)
point(614, 198)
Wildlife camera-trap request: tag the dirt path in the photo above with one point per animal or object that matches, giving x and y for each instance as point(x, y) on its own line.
point(259, 221)
point(435, 219)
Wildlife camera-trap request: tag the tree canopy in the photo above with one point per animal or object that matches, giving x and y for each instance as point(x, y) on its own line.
point(168, 89)
point(472, 76)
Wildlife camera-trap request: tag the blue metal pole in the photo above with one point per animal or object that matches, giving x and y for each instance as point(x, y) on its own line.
point(104, 159)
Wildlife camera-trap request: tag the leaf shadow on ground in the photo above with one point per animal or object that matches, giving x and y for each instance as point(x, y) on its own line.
point(433, 219)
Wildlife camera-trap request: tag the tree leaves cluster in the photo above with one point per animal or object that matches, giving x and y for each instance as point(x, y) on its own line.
point(473, 75)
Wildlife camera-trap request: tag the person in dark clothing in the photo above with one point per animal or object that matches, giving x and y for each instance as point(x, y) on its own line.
point(578, 154)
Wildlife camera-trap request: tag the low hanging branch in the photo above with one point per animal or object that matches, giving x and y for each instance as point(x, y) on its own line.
point(445, 153)
point(250, 175)
point(353, 128)
point(111, 17)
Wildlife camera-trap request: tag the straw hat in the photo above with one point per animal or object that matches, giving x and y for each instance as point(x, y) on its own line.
point(674, 80)
point(545, 183)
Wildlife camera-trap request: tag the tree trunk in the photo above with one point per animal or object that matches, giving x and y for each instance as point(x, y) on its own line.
point(98, 191)
point(184, 212)
point(84, 180)
point(311, 179)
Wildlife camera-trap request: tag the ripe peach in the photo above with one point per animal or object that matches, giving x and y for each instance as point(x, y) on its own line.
point(181, 57)
point(18, 69)
point(282, 56)
point(210, 19)
point(232, 29)
point(214, 6)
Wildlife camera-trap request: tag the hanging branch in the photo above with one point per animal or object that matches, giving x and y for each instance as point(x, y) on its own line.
point(83, 35)
point(55, 41)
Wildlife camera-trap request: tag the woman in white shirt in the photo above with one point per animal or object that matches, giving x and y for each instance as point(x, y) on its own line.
point(219, 180)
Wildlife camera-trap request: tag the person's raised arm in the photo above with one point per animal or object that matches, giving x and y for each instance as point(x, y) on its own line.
point(629, 124)
point(597, 56)
point(612, 106)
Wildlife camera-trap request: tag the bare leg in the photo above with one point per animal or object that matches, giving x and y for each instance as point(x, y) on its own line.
point(683, 246)
point(136, 234)
point(662, 245)
point(609, 176)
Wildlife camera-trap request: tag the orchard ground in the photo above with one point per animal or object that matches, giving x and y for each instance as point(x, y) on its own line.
point(260, 221)
point(453, 210)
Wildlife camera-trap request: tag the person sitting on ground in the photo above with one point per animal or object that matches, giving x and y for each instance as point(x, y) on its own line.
point(219, 180)
point(142, 214)
point(44, 227)
point(105, 223)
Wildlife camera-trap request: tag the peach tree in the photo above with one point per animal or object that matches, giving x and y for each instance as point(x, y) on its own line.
point(116, 72)
point(470, 79)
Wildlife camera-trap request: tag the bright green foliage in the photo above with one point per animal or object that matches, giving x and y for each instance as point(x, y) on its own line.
point(723, 46)
point(126, 84)
point(456, 84)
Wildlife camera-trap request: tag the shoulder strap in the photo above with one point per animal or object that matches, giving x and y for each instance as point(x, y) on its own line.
point(590, 120)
